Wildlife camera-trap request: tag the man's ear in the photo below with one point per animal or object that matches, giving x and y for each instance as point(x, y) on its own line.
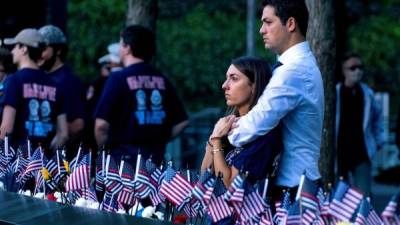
point(129, 48)
point(24, 49)
point(291, 24)
point(58, 52)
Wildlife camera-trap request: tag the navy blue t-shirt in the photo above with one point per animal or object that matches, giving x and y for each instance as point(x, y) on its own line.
point(72, 90)
point(37, 103)
point(2, 88)
point(140, 105)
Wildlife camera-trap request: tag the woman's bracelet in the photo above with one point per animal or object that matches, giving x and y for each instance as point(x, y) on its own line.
point(215, 150)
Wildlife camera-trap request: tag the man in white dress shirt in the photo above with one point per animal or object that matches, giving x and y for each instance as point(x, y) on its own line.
point(294, 97)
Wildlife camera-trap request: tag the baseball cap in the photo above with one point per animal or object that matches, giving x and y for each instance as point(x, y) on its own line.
point(112, 56)
point(52, 35)
point(29, 36)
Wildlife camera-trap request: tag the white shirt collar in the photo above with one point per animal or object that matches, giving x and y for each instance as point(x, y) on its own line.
point(294, 51)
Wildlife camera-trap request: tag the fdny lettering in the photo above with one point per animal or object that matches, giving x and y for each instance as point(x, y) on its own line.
point(40, 91)
point(145, 82)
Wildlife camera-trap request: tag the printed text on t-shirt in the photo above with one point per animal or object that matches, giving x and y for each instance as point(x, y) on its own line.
point(146, 82)
point(32, 90)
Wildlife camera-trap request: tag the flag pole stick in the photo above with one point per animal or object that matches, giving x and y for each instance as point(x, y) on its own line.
point(6, 146)
point(29, 148)
point(44, 181)
point(264, 194)
point(190, 202)
point(300, 187)
point(77, 156)
point(121, 167)
point(138, 160)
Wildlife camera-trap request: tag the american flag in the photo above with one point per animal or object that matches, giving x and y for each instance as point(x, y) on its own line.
point(39, 178)
point(325, 207)
point(252, 204)
point(217, 207)
point(22, 161)
point(205, 181)
point(191, 205)
point(75, 161)
point(280, 216)
point(74, 195)
point(5, 161)
point(308, 195)
point(294, 216)
point(193, 208)
point(191, 176)
point(113, 182)
point(109, 203)
point(345, 202)
point(266, 217)
point(391, 213)
point(34, 165)
point(90, 194)
point(175, 187)
point(80, 177)
point(100, 171)
point(235, 192)
point(366, 215)
point(155, 174)
point(154, 196)
point(49, 167)
point(311, 200)
point(126, 195)
point(310, 203)
point(142, 182)
point(56, 171)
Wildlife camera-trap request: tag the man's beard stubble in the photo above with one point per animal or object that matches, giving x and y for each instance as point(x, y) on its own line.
point(48, 64)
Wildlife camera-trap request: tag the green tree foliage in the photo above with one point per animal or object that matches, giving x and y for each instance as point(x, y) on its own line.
point(196, 40)
point(376, 39)
point(92, 25)
point(196, 50)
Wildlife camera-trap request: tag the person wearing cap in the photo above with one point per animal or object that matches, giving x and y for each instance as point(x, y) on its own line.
point(33, 106)
point(52, 61)
point(139, 108)
point(108, 63)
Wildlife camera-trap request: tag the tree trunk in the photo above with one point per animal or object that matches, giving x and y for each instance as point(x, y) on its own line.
point(321, 35)
point(142, 12)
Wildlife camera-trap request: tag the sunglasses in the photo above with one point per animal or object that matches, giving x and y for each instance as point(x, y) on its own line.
point(353, 68)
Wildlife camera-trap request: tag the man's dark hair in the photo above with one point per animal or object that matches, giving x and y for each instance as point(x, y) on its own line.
point(259, 73)
point(347, 55)
point(284, 9)
point(63, 48)
point(34, 53)
point(141, 41)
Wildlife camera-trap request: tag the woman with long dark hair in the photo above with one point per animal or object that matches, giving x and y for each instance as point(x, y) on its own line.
point(246, 79)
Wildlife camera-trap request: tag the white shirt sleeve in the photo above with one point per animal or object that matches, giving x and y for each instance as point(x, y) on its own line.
point(276, 101)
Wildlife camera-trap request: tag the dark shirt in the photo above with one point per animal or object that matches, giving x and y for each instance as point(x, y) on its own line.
point(257, 157)
point(2, 88)
point(72, 90)
point(37, 102)
point(141, 107)
point(351, 146)
point(93, 93)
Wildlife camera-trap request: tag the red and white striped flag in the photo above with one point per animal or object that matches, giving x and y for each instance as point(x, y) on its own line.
point(80, 177)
